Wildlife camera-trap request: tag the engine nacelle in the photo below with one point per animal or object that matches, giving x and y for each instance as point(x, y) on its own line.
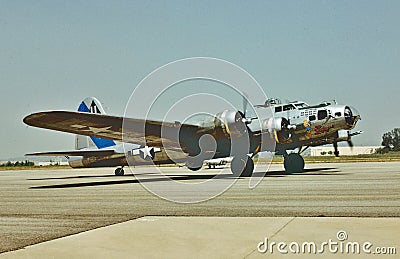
point(275, 124)
point(278, 128)
point(231, 123)
point(228, 130)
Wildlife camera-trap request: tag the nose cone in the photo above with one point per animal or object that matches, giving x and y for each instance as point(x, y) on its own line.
point(355, 112)
point(352, 115)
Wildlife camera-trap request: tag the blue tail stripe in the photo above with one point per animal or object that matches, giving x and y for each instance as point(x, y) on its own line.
point(99, 142)
point(102, 142)
point(83, 108)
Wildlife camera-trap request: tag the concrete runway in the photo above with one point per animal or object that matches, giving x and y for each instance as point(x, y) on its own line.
point(40, 205)
point(228, 237)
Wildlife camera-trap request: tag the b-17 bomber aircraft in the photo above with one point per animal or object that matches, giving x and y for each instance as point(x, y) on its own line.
point(294, 127)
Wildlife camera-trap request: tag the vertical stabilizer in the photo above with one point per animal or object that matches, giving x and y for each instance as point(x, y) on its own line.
point(91, 105)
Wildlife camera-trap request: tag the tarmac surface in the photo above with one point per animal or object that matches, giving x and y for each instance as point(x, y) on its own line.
point(228, 237)
point(41, 205)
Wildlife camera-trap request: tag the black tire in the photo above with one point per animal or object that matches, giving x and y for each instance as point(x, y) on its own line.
point(240, 167)
point(194, 164)
point(119, 172)
point(248, 170)
point(194, 168)
point(294, 163)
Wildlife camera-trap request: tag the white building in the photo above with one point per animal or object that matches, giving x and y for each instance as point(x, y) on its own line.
point(48, 163)
point(344, 151)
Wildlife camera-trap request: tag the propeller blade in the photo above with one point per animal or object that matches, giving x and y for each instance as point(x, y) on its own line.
point(245, 104)
point(336, 152)
point(350, 143)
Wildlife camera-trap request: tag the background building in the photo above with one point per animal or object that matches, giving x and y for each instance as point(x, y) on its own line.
point(344, 151)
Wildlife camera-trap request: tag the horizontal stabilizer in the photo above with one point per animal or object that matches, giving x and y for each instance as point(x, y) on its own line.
point(86, 153)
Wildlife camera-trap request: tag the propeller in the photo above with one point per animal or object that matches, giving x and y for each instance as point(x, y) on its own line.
point(350, 143)
point(336, 152)
point(335, 146)
point(245, 103)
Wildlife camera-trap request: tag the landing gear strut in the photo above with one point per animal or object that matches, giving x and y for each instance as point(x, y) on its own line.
point(294, 163)
point(241, 167)
point(119, 171)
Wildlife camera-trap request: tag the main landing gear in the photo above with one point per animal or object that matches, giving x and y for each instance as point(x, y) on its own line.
point(241, 167)
point(119, 171)
point(294, 163)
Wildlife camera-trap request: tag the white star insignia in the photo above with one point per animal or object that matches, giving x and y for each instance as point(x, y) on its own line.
point(146, 152)
point(98, 130)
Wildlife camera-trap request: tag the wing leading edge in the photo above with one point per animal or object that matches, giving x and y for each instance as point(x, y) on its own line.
point(111, 127)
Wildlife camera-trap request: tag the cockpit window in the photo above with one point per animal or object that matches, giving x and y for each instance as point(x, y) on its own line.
point(301, 105)
point(322, 114)
point(288, 107)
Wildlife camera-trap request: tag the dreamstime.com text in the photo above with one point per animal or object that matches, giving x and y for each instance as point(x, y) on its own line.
point(338, 246)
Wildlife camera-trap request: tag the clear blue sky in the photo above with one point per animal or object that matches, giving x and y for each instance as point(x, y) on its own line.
point(55, 53)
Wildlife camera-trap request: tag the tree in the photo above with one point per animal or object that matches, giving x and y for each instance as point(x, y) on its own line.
point(391, 140)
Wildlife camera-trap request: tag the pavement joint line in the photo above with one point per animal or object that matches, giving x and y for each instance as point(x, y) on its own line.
point(74, 234)
point(274, 234)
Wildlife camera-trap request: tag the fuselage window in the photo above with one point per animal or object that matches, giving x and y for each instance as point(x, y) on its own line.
point(312, 118)
point(278, 109)
point(338, 114)
point(322, 114)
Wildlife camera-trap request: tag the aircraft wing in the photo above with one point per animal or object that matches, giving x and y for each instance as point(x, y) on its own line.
point(100, 152)
point(110, 127)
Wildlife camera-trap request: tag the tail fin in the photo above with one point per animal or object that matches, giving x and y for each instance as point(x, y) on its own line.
point(91, 105)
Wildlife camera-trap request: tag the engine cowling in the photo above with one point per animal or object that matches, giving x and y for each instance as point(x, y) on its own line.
point(278, 127)
point(229, 131)
point(231, 123)
point(275, 124)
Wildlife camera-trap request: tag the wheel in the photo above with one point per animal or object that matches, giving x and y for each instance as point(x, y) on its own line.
point(294, 163)
point(209, 166)
point(240, 167)
point(194, 164)
point(119, 171)
point(248, 170)
point(194, 168)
